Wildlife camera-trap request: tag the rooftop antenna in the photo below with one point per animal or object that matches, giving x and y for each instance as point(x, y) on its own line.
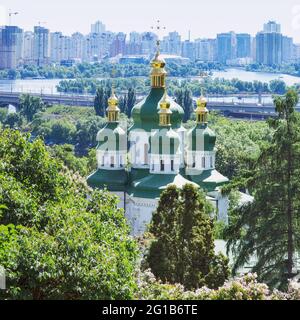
point(10, 14)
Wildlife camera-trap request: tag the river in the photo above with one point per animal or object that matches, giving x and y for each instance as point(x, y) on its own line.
point(48, 86)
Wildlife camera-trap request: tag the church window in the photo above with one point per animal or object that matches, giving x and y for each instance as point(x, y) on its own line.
point(112, 162)
point(172, 165)
point(203, 163)
point(211, 162)
point(162, 165)
point(194, 162)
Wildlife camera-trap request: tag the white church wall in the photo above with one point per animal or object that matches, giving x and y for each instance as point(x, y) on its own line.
point(139, 149)
point(139, 213)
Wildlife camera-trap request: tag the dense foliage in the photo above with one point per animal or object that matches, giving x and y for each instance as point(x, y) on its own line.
point(58, 239)
point(182, 250)
point(103, 70)
point(242, 288)
point(212, 86)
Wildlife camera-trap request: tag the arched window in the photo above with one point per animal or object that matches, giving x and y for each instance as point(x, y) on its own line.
point(194, 162)
point(103, 161)
point(211, 162)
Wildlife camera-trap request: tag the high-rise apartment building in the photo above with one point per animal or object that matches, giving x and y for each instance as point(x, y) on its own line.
point(269, 45)
point(28, 47)
point(98, 27)
point(287, 49)
point(188, 50)
point(118, 45)
point(171, 44)
point(206, 50)
point(272, 27)
point(11, 42)
point(41, 45)
point(226, 47)
point(243, 45)
point(296, 52)
point(77, 46)
point(60, 47)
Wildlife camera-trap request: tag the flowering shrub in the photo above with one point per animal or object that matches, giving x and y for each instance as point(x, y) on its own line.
point(243, 288)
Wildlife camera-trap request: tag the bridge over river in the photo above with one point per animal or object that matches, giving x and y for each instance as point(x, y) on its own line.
point(241, 109)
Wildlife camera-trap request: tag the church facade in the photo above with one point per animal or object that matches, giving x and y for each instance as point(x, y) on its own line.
point(138, 164)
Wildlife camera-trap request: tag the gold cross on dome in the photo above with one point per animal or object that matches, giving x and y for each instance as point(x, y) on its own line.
point(158, 30)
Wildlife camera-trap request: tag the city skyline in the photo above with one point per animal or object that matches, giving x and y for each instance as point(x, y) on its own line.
point(120, 16)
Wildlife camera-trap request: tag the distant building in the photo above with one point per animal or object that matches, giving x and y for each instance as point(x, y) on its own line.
point(287, 49)
point(149, 40)
point(171, 44)
point(41, 45)
point(226, 47)
point(269, 45)
point(138, 59)
point(11, 40)
point(206, 50)
point(77, 46)
point(272, 27)
point(28, 47)
point(118, 45)
point(243, 45)
point(134, 46)
point(97, 45)
point(98, 27)
point(269, 48)
point(188, 50)
point(296, 52)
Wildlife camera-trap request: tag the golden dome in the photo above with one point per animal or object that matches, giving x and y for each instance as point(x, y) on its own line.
point(201, 110)
point(113, 110)
point(113, 100)
point(158, 62)
point(202, 102)
point(165, 103)
point(165, 111)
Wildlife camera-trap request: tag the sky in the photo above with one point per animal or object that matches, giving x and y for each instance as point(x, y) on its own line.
point(202, 18)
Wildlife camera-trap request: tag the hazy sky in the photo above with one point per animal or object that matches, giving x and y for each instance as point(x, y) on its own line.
point(203, 18)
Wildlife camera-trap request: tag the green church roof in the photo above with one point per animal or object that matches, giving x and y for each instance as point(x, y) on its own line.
point(208, 180)
point(153, 185)
point(113, 180)
point(145, 114)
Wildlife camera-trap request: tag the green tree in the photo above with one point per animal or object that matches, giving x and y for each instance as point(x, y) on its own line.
point(100, 103)
point(268, 228)
point(131, 99)
point(183, 248)
point(187, 104)
point(30, 105)
point(63, 131)
point(58, 239)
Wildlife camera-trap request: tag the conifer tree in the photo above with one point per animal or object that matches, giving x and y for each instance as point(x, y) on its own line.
point(99, 103)
point(183, 249)
point(268, 228)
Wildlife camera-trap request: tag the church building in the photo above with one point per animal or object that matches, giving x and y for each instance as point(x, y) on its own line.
point(155, 152)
